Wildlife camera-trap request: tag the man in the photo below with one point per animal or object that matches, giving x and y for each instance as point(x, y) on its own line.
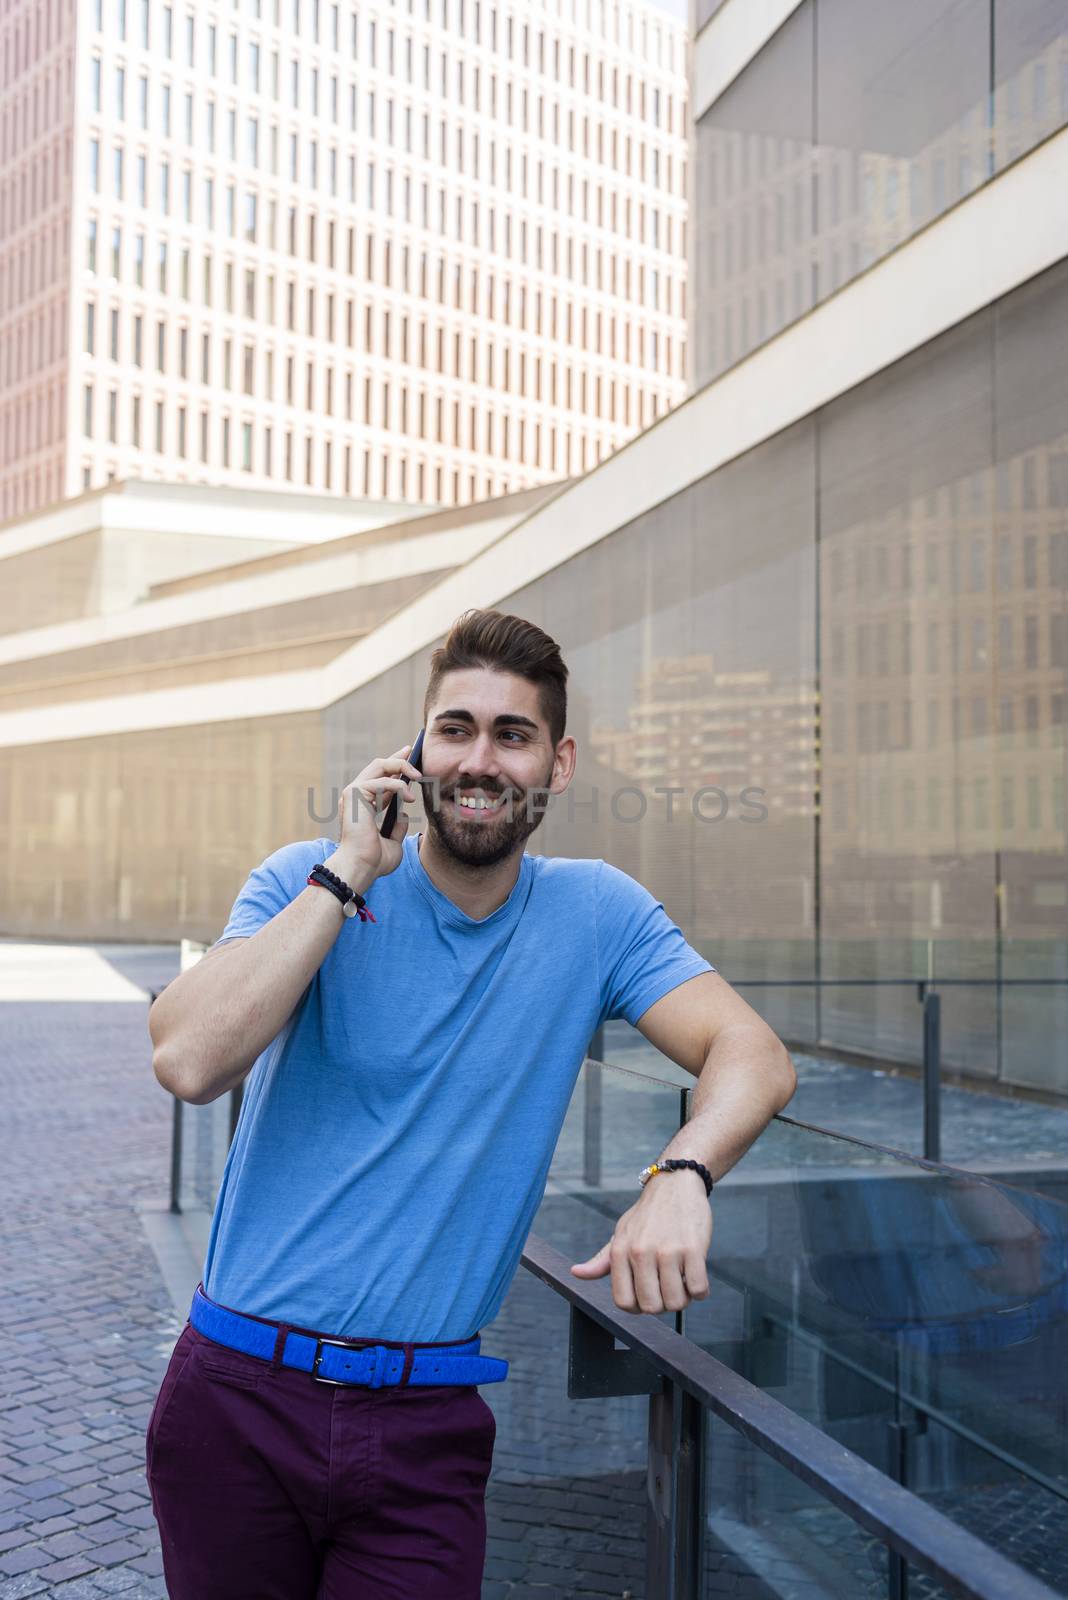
point(410, 1071)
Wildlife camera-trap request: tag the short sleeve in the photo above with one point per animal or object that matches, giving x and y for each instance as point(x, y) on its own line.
point(273, 885)
point(642, 955)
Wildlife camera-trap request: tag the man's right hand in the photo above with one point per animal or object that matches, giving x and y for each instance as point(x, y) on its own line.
point(362, 850)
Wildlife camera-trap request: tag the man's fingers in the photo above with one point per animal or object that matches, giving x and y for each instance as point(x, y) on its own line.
point(622, 1280)
point(672, 1289)
point(646, 1282)
point(695, 1271)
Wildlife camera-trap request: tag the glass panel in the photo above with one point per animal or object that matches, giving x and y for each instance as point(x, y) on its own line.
point(869, 1295)
point(1031, 74)
point(753, 202)
point(907, 847)
point(1030, 581)
point(767, 1533)
point(901, 108)
point(885, 111)
point(691, 658)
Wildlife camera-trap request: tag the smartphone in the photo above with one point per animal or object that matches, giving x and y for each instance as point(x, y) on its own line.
point(415, 756)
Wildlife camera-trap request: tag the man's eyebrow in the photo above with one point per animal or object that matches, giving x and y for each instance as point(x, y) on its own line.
point(506, 719)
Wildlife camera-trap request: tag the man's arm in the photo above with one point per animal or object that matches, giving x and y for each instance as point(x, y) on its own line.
point(211, 1023)
point(744, 1071)
point(658, 1253)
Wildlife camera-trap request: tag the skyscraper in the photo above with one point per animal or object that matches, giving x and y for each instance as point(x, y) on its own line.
point(431, 250)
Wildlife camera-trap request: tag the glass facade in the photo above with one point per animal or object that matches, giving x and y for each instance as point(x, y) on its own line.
point(820, 701)
point(855, 126)
point(847, 654)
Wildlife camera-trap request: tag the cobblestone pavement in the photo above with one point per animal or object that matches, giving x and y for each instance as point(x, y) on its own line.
point(88, 1139)
point(85, 1322)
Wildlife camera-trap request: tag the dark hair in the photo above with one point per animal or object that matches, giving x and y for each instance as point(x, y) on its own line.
point(506, 644)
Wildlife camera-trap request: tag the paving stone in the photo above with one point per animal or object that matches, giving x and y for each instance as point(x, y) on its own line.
point(26, 1584)
point(22, 1560)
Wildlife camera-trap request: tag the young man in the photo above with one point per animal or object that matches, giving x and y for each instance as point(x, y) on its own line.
point(410, 1071)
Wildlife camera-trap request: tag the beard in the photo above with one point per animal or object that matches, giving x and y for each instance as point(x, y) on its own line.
point(484, 843)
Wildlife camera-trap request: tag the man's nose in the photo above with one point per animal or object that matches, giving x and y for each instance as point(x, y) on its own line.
point(480, 760)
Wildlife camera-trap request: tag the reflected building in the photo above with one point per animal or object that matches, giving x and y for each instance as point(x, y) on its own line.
point(694, 729)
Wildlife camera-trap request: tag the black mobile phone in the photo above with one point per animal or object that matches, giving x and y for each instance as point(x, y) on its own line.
point(415, 756)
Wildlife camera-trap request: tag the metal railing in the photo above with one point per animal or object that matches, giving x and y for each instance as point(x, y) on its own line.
point(684, 1383)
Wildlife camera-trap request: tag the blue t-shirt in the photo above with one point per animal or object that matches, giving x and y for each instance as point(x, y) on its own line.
point(395, 1137)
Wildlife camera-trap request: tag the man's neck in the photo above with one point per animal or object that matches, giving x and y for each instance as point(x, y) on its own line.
point(476, 891)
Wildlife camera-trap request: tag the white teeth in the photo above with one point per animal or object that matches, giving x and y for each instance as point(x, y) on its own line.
point(476, 803)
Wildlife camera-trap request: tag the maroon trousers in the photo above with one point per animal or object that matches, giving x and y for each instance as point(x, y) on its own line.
point(268, 1485)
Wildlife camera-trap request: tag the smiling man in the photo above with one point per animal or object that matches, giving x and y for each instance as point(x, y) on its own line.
point(411, 1014)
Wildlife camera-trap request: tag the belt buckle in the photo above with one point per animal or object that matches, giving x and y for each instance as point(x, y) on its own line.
point(342, 1344)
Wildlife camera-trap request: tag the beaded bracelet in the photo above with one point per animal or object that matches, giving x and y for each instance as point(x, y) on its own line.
point(673, 1166)
point(352, 903)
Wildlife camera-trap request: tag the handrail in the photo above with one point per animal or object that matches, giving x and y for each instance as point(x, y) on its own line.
point(962, 1563)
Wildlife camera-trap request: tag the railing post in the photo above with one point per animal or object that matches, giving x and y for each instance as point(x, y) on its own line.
point(236, 1096)
point(675, 1487)
point(591, 1114)
point(932, 1075)
point(660, 1528)
point(898, 1470)
point(690, 1496)
point(176, 1133)
point(176, 1155)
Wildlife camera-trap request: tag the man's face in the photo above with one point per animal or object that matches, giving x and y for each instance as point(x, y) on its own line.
point(488, 745)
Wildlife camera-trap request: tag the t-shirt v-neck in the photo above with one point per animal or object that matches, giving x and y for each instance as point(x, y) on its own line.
point(452, 913)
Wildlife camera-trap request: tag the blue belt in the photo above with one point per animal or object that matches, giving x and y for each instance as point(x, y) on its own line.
point(344, 1361)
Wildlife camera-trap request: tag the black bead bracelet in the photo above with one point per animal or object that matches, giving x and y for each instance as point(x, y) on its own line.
point(675, 1165)
point(345, 892)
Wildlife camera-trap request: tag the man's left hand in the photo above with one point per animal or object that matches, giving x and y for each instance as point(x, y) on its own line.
point(658, 1253)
